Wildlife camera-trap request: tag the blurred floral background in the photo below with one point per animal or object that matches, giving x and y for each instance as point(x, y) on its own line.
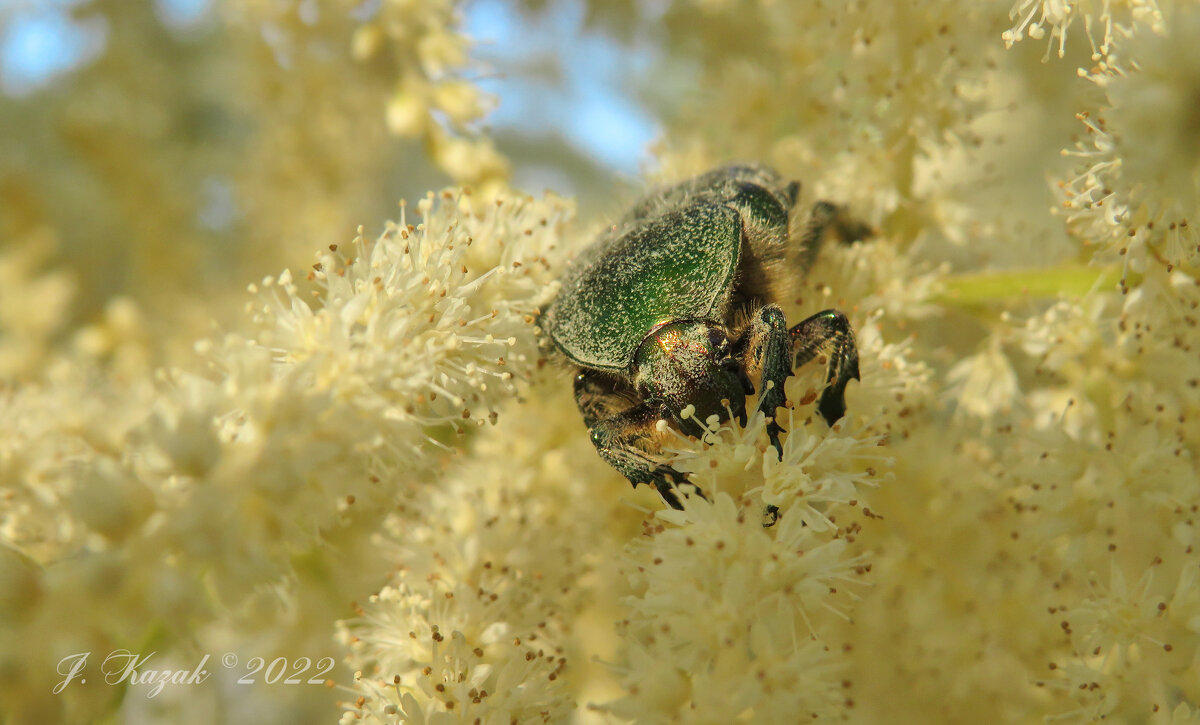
point(271, 382)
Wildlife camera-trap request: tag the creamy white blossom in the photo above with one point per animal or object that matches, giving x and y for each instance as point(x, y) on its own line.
point(430, 323)
point(488, 589)
point(286, 439)
point(1104, 21)
point(726, 619)
point(1136, 190)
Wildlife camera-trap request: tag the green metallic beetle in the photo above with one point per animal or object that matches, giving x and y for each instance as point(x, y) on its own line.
point(670, 314)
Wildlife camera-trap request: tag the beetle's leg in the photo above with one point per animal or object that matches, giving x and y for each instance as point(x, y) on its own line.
point(828, 332)
point(598, 397)
point(824, 218)
point(617, 438)
point(766, 356)
point(616, 435)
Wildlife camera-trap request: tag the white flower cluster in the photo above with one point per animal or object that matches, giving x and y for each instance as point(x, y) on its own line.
point(304, 430)
point(415, 52)
point(429, 324)
point(28, 330)
point(494, 565)
point(421, 40)
point(454, 668)
point(1136, 190)
point(726, 618)
point(1103, 21)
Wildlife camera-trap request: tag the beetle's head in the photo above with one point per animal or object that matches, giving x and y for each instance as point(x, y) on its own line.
point(689, 362)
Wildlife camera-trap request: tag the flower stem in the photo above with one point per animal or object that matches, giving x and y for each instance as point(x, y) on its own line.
point(969, 290)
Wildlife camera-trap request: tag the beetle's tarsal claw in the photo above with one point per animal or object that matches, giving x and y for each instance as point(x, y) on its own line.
point(669, 494)
point(666, 481)
point(828, 330)
point(773, 431)
point(832, 405)
point(793, 192)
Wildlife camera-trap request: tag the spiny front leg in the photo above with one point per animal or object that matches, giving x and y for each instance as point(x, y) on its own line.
point(828, 332)
point(766, 356)
point(826, 217)
point(618, 435)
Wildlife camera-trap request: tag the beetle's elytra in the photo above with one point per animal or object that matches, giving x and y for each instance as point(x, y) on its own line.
point(670, 316)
